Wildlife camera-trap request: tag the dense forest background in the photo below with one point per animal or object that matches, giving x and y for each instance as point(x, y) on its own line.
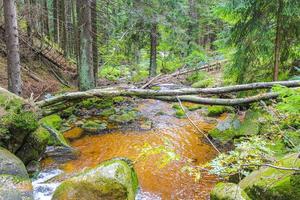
point(135, 39)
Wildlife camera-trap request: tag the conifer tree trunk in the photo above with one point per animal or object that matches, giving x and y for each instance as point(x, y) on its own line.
point(153, 50)
point(85, 65)
point(277, 53)
point(12, 44)
point(95, 38)
point(45, 17)
point(62, 26)
point(55, 20)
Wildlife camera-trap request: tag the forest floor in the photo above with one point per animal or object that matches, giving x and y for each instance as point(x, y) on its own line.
point(47, 84)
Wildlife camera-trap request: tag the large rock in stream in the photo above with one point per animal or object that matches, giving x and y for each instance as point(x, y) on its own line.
point(14, 180)
point(111, 180)
point(274, 184)
point(228, 191)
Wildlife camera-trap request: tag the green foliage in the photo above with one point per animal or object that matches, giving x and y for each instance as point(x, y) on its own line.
point(243, 158)
point(23, 122)
point(110, 73)
point(290, 99)
point(204, 83)
point(249, 40)
point(197, 76)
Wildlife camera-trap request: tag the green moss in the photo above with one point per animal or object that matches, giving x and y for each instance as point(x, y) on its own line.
point(271, 183)
point(94, 126)
point(118, 99)
point(180, 114)
point(251, 124)
point(223, 136)
point(228, 191)
point(156, 88)
point(113, 179)
point(21, 122)
point(108, 112)
point(124, 117)
point(216, 110)
point(193, 107)
point(54, 121)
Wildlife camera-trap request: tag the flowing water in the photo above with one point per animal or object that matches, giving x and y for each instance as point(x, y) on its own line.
point(157, 180)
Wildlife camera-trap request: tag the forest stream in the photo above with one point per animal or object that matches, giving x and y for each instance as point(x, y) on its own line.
point(158, 180)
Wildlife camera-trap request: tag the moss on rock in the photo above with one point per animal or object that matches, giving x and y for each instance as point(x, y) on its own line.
point(113, 179)
point(124, 117)
point(94, 126)
point(270, 183)
point(214, 111)
point(228, 191)
point(54, 121)
point(11, 165)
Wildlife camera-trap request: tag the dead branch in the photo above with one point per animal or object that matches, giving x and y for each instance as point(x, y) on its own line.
point(170, 94)
point(197, 128)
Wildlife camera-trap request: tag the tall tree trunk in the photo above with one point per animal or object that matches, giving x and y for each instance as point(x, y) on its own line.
point(69, 27)
point(12, 44)
point(55, 21)
point(95, 38)
point(85, 67)
point(193, 27)
point(45, 17)
point(277, 53)
point(153, 50)
point(62, 26)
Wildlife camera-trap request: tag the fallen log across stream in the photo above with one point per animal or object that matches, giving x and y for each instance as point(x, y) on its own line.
point(171, 95)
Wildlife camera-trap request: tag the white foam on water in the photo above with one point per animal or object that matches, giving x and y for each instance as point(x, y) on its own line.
point(43, 190)
point(141, 195)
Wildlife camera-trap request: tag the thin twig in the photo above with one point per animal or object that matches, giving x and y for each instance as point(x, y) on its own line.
point(198, 129)
point(273, 166)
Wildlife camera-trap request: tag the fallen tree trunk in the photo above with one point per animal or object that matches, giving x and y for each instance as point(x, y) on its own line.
point(219, 101)
point(145, 93)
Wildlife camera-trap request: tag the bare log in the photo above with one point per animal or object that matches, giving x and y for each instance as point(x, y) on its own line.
point(219, 101)
point(146, 93)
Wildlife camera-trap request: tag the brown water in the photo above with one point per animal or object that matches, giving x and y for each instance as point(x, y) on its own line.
point(168, 182)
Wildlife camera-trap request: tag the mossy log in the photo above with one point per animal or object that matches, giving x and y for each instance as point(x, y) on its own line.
point(172, 94)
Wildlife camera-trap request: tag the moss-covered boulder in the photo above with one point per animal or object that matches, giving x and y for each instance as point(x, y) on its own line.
point(274, 184)
point(17, 120)
point(15, 188)
point(228, 191)
point(114, 179)
point(225, 130)
point(124, 116)
point(46, 134)
point(94, 126)
point(14, 180)
point(10, 164)
point(230, 128)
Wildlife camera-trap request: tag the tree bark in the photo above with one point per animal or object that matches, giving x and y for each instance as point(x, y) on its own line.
point(144, 93)
point(95, 39)
point(55, 20)
point(85, 67)
point(12, 44)
point(277, 53)
point(45, 17)
point(153, 50)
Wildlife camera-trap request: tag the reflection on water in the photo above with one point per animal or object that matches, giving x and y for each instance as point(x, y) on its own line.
point(168, 182)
